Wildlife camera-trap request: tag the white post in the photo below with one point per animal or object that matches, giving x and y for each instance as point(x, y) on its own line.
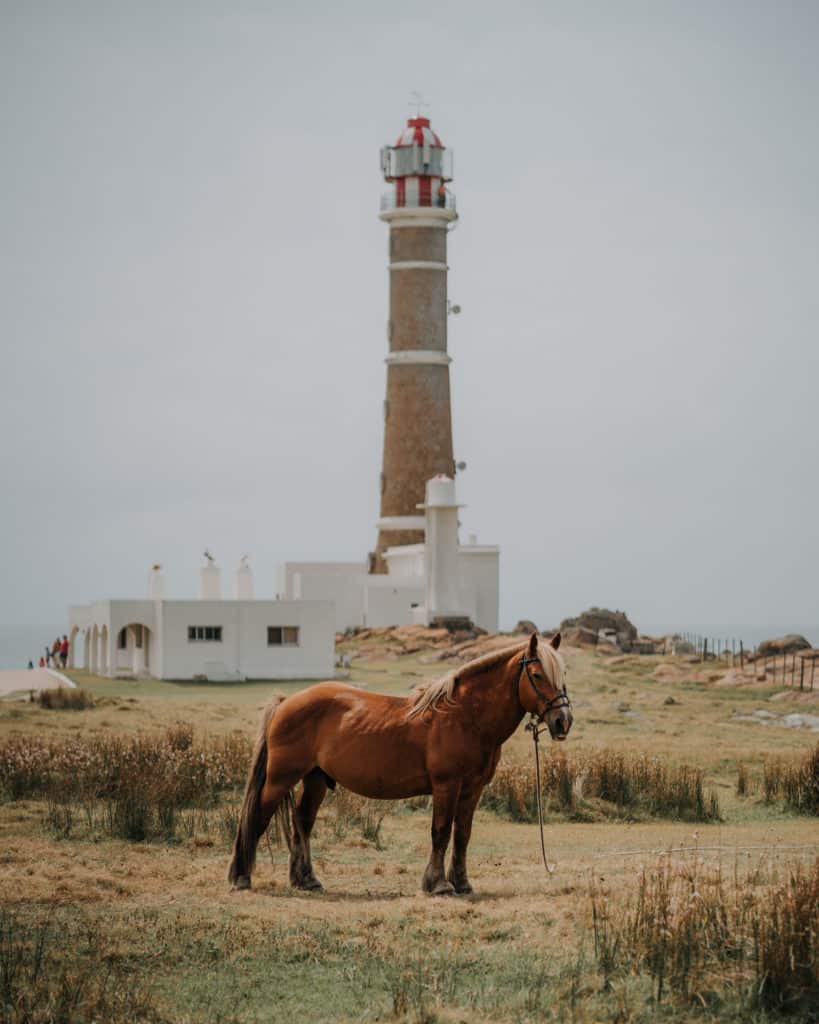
point(210, 583)
point(243, 583)
point(441, 551)
point(156, 585)
point(95, 649)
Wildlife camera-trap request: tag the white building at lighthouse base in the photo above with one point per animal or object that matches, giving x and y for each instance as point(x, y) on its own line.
point(440, 579)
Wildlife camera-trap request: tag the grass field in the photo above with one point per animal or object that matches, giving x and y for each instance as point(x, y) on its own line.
point(149, 931)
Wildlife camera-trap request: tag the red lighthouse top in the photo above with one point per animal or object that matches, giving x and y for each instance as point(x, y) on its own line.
point(418, 166)
point(418, 133)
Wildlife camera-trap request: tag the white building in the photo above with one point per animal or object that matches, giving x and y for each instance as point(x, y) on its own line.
point(435, 581)
point(209, 638)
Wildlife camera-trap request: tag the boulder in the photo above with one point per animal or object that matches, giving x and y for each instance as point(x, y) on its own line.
point(577, 636)
point(525, 626)
point(789, 644)
point(595, 619)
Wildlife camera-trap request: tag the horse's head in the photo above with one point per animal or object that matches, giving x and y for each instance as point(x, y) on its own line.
point(542, 685)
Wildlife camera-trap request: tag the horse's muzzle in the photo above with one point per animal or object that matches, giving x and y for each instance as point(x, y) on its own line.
point(561, 723)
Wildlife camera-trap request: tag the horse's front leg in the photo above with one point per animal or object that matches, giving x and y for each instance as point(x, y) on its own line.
point(464, 813)
point(444, 801)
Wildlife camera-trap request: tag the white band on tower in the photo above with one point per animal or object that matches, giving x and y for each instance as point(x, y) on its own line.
point(401, 523)
point(418, 265)
point(418, 357)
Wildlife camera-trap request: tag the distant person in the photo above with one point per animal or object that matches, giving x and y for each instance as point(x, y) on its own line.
point(42, 662)
point(442, 196)
point(47, 656)
point(64, 651)
point(30, 663)
point(55, 652)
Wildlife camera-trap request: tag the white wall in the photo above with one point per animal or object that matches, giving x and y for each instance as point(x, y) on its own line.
point(340, 582)
point(479, 567)
point(243, 650)
point(388, 602)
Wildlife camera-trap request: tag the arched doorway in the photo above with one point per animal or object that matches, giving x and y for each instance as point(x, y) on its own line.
point(133, 649)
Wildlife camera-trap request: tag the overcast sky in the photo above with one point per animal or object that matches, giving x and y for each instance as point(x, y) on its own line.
point(193, 294)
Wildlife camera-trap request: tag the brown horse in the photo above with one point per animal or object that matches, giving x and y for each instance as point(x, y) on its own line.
point(445, 739)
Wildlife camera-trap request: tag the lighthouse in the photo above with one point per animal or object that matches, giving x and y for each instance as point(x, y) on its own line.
point(419, 210)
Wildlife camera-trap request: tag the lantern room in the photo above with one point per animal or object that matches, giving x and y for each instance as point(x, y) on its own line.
point(418, 167)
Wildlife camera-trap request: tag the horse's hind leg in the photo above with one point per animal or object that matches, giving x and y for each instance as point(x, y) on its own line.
point(304, 817)
point(462, 832)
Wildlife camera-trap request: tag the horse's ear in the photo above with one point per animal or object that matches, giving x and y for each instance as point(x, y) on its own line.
point(532, 652)
point(555, 641)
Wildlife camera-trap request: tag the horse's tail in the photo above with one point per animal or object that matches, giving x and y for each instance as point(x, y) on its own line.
point(247, 833)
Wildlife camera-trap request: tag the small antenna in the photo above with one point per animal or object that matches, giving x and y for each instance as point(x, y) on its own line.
point(418, 102)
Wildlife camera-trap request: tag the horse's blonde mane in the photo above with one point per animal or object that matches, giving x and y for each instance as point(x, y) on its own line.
point(430, 695)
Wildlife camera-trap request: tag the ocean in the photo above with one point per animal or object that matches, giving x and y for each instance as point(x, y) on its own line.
point(19, 644)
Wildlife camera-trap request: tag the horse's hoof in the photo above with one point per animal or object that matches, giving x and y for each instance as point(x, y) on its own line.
point(312, 885)
point(443, 888)
point(241, 883)
point(464, 890)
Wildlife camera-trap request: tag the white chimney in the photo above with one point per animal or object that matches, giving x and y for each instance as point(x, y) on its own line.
point(210, 580)
point(243, 583)
point(156, 584)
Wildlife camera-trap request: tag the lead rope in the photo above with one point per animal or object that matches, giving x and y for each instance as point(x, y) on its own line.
point(550, 868)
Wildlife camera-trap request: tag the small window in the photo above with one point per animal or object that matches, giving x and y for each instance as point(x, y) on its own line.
point(213, 634)
point(122, 639)
point(282, 636)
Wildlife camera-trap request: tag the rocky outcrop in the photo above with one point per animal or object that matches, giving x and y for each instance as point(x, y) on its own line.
point(789, 644)
point(584, 629)
point(525, 626)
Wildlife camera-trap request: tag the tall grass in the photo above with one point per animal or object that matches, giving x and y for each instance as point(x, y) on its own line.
point(705, 938)
point(131, 788)
point(65, 698)
point(603, 783)
point(48, 977)
point(794, 781)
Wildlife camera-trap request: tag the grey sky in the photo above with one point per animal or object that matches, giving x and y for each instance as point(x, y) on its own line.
point(193, 294)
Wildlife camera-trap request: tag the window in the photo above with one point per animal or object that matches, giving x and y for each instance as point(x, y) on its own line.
point(210, 633)
point(282, 636)
point(122, 639)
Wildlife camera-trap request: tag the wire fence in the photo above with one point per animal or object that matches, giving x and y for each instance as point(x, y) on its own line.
point(796, 669)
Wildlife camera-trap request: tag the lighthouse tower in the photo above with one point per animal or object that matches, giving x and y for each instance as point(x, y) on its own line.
point(419, 210)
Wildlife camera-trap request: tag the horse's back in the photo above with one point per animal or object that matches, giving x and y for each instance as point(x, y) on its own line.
point(361, 739)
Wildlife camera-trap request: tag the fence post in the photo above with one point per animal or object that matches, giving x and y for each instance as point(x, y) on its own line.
point(801, 673)
point(741, 658)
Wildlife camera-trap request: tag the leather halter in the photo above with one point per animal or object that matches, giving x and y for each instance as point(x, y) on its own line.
point(560, 700)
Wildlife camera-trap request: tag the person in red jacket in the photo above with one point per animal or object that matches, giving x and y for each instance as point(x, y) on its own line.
point(64, 651)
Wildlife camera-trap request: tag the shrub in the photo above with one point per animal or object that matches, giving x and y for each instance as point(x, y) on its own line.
point(356, 812)
point(65, 698)
point(632, 783)
point(128, 788)
point(795, 782)
point(743, 780)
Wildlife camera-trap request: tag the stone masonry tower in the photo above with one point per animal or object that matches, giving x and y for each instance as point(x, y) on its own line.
point(417, 418)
